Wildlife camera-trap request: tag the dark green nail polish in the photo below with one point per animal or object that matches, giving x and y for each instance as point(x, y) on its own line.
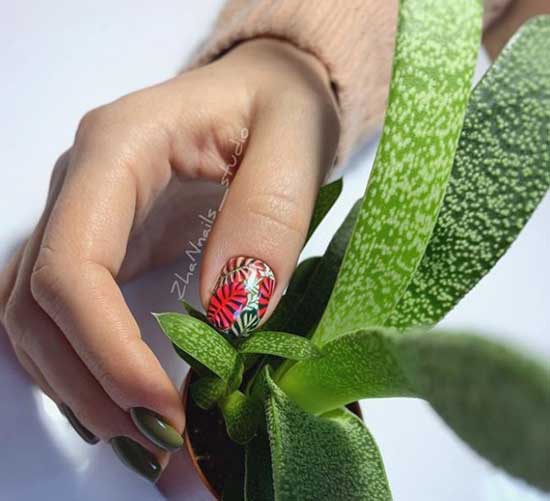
point(136, 457)
point(156, 429)
point(82, 431)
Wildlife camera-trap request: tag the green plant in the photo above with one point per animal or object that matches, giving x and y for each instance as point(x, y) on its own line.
point(457, 176)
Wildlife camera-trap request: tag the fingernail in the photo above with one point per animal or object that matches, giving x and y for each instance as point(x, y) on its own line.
point(241, 295)
point(82, 431)
point(136, 457)
point(156, 429)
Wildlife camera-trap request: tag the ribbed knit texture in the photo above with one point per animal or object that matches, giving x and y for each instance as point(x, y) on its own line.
point(354, 39)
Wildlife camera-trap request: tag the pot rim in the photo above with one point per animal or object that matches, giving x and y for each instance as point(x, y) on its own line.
point(354, 407)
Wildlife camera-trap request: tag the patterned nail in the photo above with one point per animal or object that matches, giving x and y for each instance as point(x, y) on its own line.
point(241, 295)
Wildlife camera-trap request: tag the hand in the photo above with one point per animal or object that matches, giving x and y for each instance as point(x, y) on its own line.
point(114, 210)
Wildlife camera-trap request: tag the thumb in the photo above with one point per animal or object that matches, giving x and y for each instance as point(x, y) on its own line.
point(261, 227)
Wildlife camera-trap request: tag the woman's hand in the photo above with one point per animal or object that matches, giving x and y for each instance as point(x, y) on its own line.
point(113, 211)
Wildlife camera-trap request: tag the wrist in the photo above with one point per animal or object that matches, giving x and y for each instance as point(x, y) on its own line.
point(278, 61)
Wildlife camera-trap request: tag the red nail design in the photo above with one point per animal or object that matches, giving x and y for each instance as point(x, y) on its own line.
point(241, 296)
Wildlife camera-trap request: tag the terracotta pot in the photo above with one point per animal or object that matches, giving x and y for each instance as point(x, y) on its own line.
point(184, 477)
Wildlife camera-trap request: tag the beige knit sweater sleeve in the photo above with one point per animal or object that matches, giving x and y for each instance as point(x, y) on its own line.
point(353, 38)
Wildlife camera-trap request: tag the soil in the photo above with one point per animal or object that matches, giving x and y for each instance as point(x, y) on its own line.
point(220, 459)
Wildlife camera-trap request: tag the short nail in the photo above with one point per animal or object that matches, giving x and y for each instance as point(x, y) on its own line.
point(136, 457)
point(156, 429)
point(82, 431)
point(241, 295)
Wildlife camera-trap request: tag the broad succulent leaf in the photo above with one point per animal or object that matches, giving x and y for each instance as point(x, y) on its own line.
point(360, 365)
point(302, 306)
point(284, 310)
point(199, 368)
point(313, 301)
point(494, 397)
point(201, 342)
point(501, 172)
point(258, 470)
point(302, 275)
point(328, 194)
point(290, 301)
point(321, 457)
point(436, 50)
point(287, 307)
point(280, 344)
point(207, 391)
point(242, 415)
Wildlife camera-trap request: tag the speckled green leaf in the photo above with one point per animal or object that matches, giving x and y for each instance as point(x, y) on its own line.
point(207, 391)
point(199, 368)
point(321, 458)
point(200, 341)
point(302, 275)
point(303, 304)
point(328, 194)
point(437, 45)
point(284, 310)
point(280, 344)
point(316, 295)
point(290, 302)
point(494, 397)
point(501, 171)
point(242, 415)
point(195, 364)
point(259, 475)
point(355, 366)
point(288, 305)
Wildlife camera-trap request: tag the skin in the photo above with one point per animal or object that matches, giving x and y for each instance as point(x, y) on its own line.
point(115, 209)
point(120, 195)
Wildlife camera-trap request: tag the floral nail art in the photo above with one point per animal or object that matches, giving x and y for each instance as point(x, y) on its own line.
point(241, 295)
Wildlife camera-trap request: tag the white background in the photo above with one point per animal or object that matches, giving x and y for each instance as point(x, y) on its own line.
point(60, 59)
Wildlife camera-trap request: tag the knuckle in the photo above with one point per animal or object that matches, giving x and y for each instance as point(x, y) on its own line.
point(7, 285)
point(103, 127)
point(12, 316)
point(61, 163)
point(126, 131)
point(45, 282)
point(278, 211)
point(57, 177)
point(60, 167)
point(91, 122)
point(14, 319)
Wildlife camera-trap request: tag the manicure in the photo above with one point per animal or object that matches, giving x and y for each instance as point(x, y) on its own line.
point(156, 429)
point(136, 457)
point(241, 295)
point(82, 431)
